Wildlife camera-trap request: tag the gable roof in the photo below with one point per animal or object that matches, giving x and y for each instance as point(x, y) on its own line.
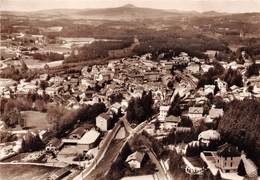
point(173, 119)
point(228, 150)
point(196, 110)
point(136, 156)
point(250, 167)
point(89, 137)
point(78, 131)
point(215, 112)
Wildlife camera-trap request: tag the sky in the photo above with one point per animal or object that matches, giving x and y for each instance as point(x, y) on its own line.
point(233, 6)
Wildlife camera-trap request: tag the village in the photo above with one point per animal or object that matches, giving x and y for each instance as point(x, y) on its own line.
point(71, 121)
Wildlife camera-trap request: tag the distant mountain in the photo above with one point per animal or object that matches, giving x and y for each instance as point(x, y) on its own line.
point(128, 12)
point(213, 13)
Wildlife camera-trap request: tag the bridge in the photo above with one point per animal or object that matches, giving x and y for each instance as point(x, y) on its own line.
point(109, 149)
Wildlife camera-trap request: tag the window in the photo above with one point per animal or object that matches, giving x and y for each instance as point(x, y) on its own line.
point(231, 158)
point(225, 164)
point(231, 164)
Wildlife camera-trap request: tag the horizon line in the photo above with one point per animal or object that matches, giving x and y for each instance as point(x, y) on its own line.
point(134, 6)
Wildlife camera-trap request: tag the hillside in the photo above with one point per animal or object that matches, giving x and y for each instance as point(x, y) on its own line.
point(128, 12)
point(241, 125)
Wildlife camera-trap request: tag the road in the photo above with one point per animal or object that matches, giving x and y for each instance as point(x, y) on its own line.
point(104, 165)
point(111, 150)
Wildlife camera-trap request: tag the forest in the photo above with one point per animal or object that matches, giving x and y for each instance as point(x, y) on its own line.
point(240, 126)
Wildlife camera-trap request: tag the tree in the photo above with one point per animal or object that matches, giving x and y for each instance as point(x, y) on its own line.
point(212, 74)
point(241, 171)
point(60, 118)
point(6, 136)
point(44, 85)
point(130, 112)
point(175, 161)
point(140, 109)
point(185, 122)
point(31, 142)
point(40, 105)
point(240, 126)
point(252, 70)
point(233, 77)
point(89, 113)
point(157, 125)
point(12, 118)
point(175, 109)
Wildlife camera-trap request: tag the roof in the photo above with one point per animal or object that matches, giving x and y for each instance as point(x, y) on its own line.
point(89, 137)
point(209, 135)
point(136, 156)
point(228, 150)
point(60, 173)
point(173, 119)
point(196, 110)
point(215, 113)
point(142, 177)
point(250, 167)
point(105, 115)
point(116, 105)
point(78, 131)
point(182, 129)
point(164, 108)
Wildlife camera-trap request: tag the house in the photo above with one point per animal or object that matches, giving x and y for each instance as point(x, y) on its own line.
point(54, 145)
point(77, 133)
point(209, 89)
point(152, 76)
point(167, 64)
point(52, 90)
point(135, 159)
point(193, 68)
point(89, 139)
point(227, 158)
point(44, 77)
point(215, 112)
point(206, 67)
point(104, 121)
point(250, 167)
point(206, 137)
point(86, 71)
point(59, 174)
point(195, 113)
point(116, 108)
point(254, 81)
point(163, 112)
point(171, 122)
point(222, 85)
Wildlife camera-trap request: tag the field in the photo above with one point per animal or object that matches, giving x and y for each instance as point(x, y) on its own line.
point(35, 120)
point(17, 172)
point(37, 64)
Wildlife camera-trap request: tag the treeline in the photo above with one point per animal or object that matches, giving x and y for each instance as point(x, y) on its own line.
point(97, 50)
point(170, 42)
point(140, 109)
point(18, 74)
point(63, 119)
point(49, 56)
point(240, 126)
point(10, 108)
point(230, 76)
point(151, 41)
